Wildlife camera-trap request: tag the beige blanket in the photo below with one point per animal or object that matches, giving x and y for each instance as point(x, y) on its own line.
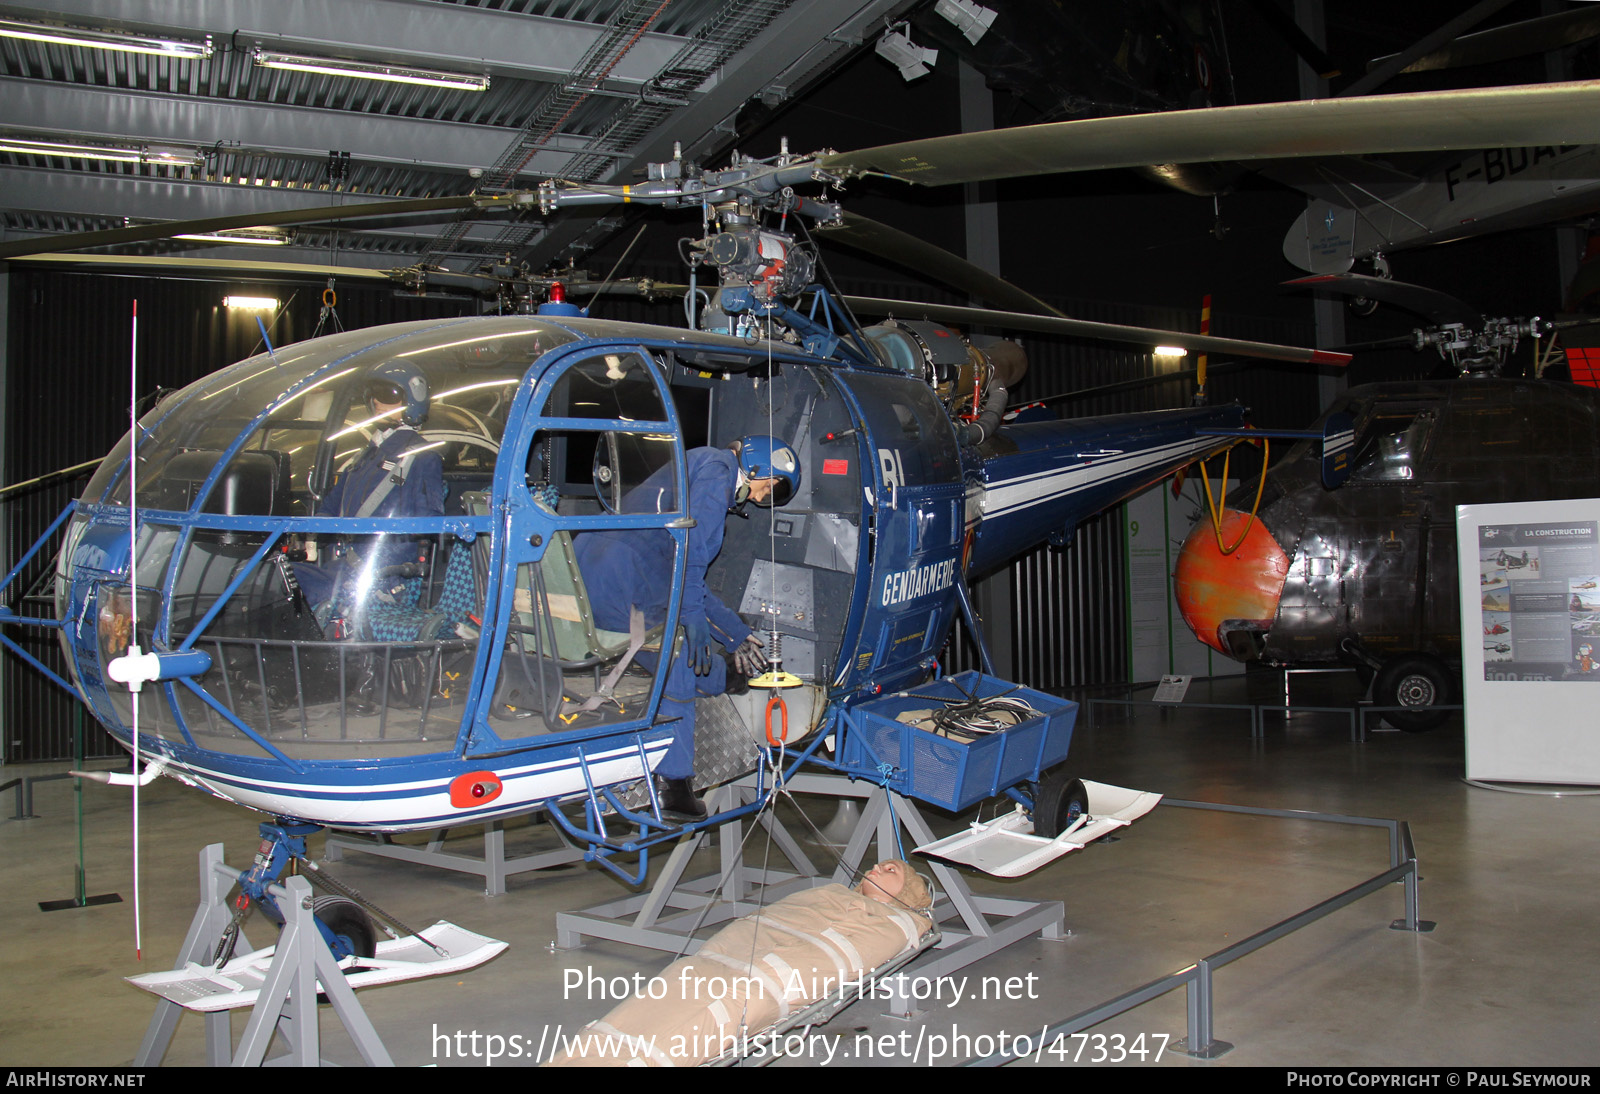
point(752, 973)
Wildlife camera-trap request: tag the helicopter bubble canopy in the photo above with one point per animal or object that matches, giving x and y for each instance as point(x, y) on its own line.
point(231, 479)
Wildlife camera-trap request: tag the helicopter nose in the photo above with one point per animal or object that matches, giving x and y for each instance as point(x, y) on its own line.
point(1229, 600)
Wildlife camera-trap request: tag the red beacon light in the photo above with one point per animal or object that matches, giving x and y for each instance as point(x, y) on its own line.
point(557, 303)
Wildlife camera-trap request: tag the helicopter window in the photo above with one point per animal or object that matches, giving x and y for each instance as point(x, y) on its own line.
point(1392, 446)
point(614, 386)
point(906, 418)
point(309, 402)
point(368, 673)
point(628, 473)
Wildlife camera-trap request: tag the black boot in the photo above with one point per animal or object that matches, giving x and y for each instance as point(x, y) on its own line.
point(678, 801)
point(360, 699)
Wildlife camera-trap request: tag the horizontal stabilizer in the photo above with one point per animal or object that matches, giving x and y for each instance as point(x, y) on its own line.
point(1431, 304)
point(1337, 436)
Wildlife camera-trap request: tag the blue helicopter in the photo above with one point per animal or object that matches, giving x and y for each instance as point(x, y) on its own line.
point(479, 685)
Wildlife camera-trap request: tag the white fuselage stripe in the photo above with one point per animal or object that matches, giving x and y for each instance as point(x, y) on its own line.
point(1014, 495)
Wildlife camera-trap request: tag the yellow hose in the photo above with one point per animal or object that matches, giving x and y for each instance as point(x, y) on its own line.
point(1211, 504)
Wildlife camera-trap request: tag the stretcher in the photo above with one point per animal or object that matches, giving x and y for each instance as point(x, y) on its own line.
point(794, 963)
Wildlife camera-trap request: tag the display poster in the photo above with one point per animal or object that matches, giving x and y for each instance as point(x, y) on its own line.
point(1160, 644)
point(1533, 596)
point(1540, 604)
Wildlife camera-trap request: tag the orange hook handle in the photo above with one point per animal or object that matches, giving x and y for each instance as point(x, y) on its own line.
point(783, 711)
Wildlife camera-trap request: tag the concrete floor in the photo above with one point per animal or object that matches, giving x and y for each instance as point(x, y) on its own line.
point(1507, 978)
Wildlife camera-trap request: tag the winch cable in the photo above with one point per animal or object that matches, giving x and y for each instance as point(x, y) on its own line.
point(857, 874)
point(736, 861)
point(133, 602)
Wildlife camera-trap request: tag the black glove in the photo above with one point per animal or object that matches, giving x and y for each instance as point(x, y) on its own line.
point(749, 658)
point(698, 635)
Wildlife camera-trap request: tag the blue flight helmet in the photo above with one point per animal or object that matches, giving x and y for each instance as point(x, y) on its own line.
point(764, 457)
point(403, 383)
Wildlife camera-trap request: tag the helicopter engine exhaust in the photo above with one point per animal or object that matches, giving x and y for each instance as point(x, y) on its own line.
point(1230, 600)
point(971, 379)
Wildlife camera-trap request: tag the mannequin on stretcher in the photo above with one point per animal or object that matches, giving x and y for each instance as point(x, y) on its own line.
point(757, 971)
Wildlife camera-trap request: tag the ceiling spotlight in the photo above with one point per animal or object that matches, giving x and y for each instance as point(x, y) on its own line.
point(159, 154)
point(250, 303)
point(899, 50)
point(969, 18)
point(328, 66)
point(259, 237)
point(100, 39)
point(1171, 351)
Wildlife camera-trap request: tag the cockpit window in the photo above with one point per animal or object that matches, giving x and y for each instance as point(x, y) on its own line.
point(319, 415)
point(1392, 446)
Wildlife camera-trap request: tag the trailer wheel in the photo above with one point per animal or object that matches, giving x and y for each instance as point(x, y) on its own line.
point(1417, 682)
point(1057, 802)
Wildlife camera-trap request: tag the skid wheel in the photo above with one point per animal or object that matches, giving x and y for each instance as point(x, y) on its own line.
point(1059, 800)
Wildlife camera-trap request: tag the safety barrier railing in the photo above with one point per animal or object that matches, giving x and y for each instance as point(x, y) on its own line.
point(1196, 978)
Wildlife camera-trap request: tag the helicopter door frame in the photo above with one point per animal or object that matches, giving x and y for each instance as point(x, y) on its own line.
point(917, 507)
point(526, 527)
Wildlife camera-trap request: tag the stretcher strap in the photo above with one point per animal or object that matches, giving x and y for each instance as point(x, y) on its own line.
point(851, 954)
point(774, 988)
point(828, 951)
point(908, 926)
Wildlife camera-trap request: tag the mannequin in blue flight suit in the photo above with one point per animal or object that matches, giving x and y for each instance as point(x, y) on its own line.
point(397, 476)
point(626, 569)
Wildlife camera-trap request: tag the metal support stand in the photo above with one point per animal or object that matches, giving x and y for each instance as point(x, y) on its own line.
point(493, 867)
point(287, 1005)
point(978, 925)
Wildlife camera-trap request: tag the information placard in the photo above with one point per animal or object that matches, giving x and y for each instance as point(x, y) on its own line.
point(1534, 596)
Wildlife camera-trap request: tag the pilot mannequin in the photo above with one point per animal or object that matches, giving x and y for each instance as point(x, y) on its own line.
point(399, 475)
point(628, 569)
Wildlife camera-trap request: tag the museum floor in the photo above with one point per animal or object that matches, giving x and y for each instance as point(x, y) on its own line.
point(1508, 977)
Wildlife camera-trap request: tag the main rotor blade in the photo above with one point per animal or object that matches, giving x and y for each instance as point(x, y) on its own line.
point(1087, 328)
point(407, 277)
point(1527, 115)
point(142, 233)
point(1538, 35)
point(244, 267)
point(905, 249)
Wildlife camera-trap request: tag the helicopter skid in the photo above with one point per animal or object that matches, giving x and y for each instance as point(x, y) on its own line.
point(1008, 847)
point(432, 795)
point(239, 982)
